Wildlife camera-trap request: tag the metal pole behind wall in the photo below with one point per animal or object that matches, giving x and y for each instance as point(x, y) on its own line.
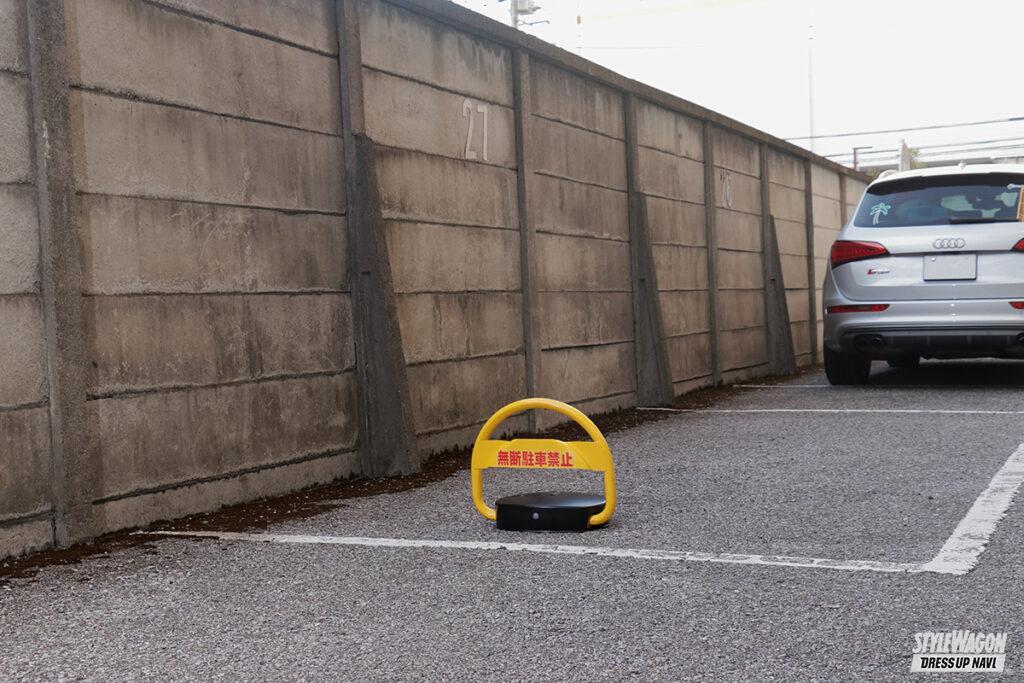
point(387, 439)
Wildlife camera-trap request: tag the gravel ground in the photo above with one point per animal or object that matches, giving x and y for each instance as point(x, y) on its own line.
point(838, 485)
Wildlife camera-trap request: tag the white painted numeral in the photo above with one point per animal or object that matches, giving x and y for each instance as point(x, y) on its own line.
point(469, 111)
point(727, 188)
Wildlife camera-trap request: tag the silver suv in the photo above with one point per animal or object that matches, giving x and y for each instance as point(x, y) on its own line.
point(931, 265)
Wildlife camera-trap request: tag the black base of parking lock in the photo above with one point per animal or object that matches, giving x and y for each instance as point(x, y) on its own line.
point(547, 511)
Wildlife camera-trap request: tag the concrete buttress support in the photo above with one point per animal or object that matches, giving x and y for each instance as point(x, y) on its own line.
point(77, 469)
point(387, 439)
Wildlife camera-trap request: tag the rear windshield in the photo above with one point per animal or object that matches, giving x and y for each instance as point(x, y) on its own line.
point(943, 200)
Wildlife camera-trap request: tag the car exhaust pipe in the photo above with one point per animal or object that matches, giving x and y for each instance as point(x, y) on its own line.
point(871, 342)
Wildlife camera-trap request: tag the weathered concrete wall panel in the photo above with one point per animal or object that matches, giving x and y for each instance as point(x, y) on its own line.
point(13, 42)
point(447, 395)
point(25, 463)
point(667, 131)
point(19, 240)
point(672, 222)
point(854, 191)
point(147, 342)
point(399, 42)
point(421, 187)
point(738, 231)
point(585, 318)
point(445, 326)
point(22, 372)
point(738, 192)
point(741, 309)
point(792, 237)
point(576, 374)
point(135, 148)
point(126, 46)
point(684, 312)
point(738, 154)
point(670, 176)
point(143, 245)
point(229, 429)
point(410, 115)
point(573, 264)
point(739, 270)
point(309, 23)
point(487, 259)
point(689, 356)
point(567, 207)
point(680, 268)
point(15, 143)
point(562, 96)
point(741, 349)
point(568, 152)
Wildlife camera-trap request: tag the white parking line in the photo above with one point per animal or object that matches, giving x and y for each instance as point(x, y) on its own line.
point(958, 556)
point(628, 553)
point(886, 387)
point(901, 411)
point(960, 553)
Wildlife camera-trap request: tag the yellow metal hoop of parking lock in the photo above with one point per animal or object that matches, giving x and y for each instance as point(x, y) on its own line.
point(542, 453)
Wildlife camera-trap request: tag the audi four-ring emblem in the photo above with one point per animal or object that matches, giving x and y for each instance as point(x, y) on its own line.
point(949, 243)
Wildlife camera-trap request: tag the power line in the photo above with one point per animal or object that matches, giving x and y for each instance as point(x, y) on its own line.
point(945, 144)
point(905, 130)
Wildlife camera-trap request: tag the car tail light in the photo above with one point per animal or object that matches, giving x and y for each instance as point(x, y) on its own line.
point(1019, 246)
point(860, 308)
point(1019, 305)
point(844, 251)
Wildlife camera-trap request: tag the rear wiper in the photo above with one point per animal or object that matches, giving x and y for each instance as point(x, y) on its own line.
point(954, 220)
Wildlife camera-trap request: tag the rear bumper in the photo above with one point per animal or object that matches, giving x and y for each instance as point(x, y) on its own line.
point(958, 342)
point(943, 329)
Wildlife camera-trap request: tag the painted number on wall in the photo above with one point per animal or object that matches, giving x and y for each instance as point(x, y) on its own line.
point(470, 109)
point(726, 179)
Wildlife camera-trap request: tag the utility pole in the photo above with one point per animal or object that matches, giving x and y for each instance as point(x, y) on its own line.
point(520, 8)
point(810, 85)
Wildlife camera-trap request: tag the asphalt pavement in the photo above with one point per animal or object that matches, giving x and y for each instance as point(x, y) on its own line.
point(706, 572)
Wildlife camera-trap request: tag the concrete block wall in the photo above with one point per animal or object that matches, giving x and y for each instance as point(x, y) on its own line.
point(208, 165)
point(827, 203)
point(671, 179)
point(742, 332)
point(787, 190)
point(185, 294)
point(578, 208)
point(25, 497)
point(439, 108)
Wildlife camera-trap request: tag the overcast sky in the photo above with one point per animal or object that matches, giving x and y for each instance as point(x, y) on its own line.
point(877, 64)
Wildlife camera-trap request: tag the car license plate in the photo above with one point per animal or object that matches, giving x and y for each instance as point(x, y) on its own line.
point(951, 267)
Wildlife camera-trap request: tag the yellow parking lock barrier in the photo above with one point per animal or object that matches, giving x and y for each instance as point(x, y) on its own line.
point(544, 511)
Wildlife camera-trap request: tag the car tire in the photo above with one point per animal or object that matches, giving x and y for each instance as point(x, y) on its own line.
point(911, 361)
point(846, 368)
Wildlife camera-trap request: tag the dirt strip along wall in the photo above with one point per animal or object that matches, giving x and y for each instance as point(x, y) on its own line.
point(211, 329)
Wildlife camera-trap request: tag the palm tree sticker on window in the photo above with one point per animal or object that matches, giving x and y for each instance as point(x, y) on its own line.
point(879, 210)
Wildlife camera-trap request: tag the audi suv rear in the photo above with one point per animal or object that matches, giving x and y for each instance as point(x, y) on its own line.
point(931, 265)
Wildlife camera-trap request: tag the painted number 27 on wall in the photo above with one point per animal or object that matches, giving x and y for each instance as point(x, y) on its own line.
point(470, 109)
